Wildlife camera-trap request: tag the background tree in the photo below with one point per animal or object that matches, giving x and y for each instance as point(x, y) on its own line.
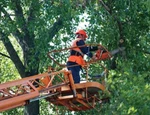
point(35, 24)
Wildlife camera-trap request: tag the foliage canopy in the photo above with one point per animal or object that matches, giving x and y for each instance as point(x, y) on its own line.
point(30, 28)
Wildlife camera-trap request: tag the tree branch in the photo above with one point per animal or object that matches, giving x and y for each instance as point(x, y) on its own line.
point(146, 52)
point(4, 55)
point(19, 14)
point(17, 34)
point(106, 7)
point(13, 54)
point(27, 39)
point(120, 27)
point(55, 28)
point(33, 8)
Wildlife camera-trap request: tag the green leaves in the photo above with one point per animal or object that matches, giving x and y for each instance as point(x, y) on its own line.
point(54, 22)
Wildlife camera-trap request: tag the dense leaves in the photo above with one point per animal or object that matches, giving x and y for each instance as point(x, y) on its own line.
point(31, 28)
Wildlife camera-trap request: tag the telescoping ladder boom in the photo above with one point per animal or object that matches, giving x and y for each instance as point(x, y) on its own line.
point(19, 92)
point(76, 97)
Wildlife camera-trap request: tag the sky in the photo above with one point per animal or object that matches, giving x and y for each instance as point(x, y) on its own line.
point(84, 24)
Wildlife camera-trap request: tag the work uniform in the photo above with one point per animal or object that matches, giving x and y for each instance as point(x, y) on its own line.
point(75, 60)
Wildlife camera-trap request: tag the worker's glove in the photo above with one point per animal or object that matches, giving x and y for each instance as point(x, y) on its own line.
point(100, 47)
point(113, 52)
point(94, 58)
point(85, 66)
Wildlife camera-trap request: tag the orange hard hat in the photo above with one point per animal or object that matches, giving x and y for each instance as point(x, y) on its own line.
point(82, 32)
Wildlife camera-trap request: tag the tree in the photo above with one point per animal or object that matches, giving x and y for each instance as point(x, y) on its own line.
point(112, 23)
point(23, 20)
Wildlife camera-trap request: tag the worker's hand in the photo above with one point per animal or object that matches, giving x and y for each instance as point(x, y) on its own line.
point(85, 66)
point(101, 47)
point(94, 58)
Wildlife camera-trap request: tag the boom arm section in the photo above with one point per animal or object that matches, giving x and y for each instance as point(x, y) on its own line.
point(62, 92)
point(18, 93)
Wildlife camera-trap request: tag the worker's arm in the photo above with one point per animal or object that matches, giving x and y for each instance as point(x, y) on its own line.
point(86, 50)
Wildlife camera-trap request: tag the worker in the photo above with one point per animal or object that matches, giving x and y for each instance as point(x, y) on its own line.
point(79, 49)
point(77, 52)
